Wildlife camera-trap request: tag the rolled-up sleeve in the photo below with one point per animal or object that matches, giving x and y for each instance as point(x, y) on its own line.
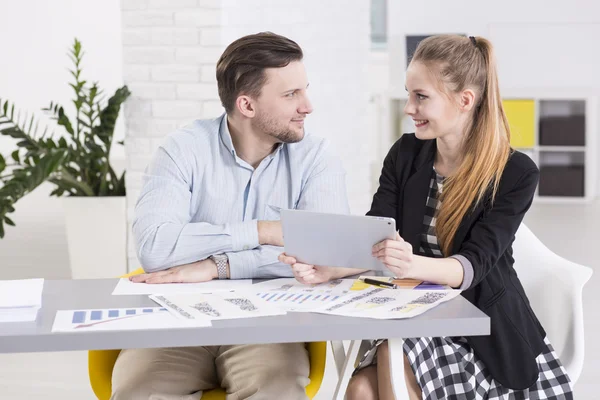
point(164, 236)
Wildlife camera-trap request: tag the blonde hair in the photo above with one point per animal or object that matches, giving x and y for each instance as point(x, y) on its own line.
point(469, 63)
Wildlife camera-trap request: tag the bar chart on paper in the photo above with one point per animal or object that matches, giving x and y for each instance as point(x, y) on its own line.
point(117, 319)
point(297, 301)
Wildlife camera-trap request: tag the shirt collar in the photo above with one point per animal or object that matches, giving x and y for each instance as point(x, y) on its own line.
point(226, 138)
point(226, 135)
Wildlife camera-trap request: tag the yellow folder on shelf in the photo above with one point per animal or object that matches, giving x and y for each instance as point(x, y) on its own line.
point(521, 118)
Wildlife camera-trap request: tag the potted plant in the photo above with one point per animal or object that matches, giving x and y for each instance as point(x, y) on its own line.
point(77, 163)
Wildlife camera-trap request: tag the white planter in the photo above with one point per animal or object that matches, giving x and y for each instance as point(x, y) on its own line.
point(97, 236)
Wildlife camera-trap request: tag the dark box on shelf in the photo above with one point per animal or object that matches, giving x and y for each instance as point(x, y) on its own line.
point(562, 131)
point(562, 181)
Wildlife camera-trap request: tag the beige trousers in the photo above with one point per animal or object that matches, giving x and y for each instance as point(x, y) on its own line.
point(256, 372)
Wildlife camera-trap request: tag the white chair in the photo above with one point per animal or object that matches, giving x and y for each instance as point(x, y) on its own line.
point(554, 287)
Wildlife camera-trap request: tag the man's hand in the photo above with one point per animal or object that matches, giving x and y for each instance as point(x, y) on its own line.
point(200, 271)
point(270, 232)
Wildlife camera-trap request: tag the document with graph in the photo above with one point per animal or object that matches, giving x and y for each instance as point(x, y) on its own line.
point(214, 306)
point(387, 303)
point(334, 287)
point(290, 295)
point(119, 319)
point(297, 300)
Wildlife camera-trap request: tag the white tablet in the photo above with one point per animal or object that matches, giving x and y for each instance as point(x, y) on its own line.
point(335, 240)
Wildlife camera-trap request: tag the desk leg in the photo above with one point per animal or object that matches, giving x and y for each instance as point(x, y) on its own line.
point(346, 370)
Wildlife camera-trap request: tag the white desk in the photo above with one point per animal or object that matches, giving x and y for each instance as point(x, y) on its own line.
point(456, 317)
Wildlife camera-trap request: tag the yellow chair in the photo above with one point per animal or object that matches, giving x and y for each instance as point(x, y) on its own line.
point(102, 362)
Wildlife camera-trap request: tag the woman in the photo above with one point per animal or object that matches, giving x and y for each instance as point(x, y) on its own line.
point(458, 193)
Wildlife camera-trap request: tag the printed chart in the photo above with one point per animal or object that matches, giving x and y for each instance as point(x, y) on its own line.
point(118, 319)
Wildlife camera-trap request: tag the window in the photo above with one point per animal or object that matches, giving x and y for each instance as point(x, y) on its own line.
point(379, 23)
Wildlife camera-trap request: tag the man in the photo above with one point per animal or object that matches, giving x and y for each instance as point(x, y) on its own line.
point(209, 209)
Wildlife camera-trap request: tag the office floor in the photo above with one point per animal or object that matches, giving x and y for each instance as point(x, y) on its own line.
point(570, 231)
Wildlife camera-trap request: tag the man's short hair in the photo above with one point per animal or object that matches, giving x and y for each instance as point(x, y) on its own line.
point(241, 67)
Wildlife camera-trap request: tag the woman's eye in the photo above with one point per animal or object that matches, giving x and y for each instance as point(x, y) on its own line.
point(290, 94)
point(421, 97)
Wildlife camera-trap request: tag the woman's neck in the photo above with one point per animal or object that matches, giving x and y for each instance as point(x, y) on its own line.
point(449, 155)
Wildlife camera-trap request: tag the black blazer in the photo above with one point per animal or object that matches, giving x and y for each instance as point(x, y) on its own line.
point(485, 238)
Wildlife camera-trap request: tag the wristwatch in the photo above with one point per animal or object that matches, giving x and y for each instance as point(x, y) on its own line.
point(221, 260)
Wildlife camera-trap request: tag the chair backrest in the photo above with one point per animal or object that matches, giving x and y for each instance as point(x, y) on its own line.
point(554, 287)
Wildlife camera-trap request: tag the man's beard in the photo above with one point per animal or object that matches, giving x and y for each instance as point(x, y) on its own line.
point(270, 127)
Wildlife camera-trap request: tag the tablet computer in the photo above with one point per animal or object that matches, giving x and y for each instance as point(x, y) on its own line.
point(335, 240)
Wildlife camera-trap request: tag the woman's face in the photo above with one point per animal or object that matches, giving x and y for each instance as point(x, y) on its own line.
point(436, 114)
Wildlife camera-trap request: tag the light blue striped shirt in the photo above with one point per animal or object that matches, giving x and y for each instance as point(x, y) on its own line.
point(199, 198)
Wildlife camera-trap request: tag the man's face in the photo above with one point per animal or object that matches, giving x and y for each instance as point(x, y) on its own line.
point(283, 103)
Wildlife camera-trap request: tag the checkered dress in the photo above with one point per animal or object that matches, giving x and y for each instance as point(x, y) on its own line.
point(448, 368)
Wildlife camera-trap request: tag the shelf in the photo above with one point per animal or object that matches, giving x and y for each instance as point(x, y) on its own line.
point(563, 148)
point(561, 123)
point(521, 119)
point(560, 200)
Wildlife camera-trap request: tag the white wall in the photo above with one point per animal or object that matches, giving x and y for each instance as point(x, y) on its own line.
point(36, 35)
point(334, 35)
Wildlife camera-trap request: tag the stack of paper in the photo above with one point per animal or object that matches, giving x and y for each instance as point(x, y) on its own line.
point(20, 300)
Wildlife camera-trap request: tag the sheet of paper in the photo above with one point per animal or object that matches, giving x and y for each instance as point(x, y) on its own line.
point(125, 287)
point(221, 305)
point(297, 300)
point(334, 287)
point(21, 293)
point(290, 295)
point(119, 319)
point(387, 303)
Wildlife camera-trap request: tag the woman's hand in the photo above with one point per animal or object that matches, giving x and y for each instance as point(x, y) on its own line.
point(313, 274)
point(305, 273)
point(396, 255)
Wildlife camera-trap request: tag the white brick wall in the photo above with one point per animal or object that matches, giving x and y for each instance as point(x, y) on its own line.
point(170, 49)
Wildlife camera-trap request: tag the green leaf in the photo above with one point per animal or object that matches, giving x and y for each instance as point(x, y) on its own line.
point(15, 156)
point(2, 163)
point(9, 221)
point(64, 121)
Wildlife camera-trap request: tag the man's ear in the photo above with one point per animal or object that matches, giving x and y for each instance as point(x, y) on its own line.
point(245, 106)
point(467, 100)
